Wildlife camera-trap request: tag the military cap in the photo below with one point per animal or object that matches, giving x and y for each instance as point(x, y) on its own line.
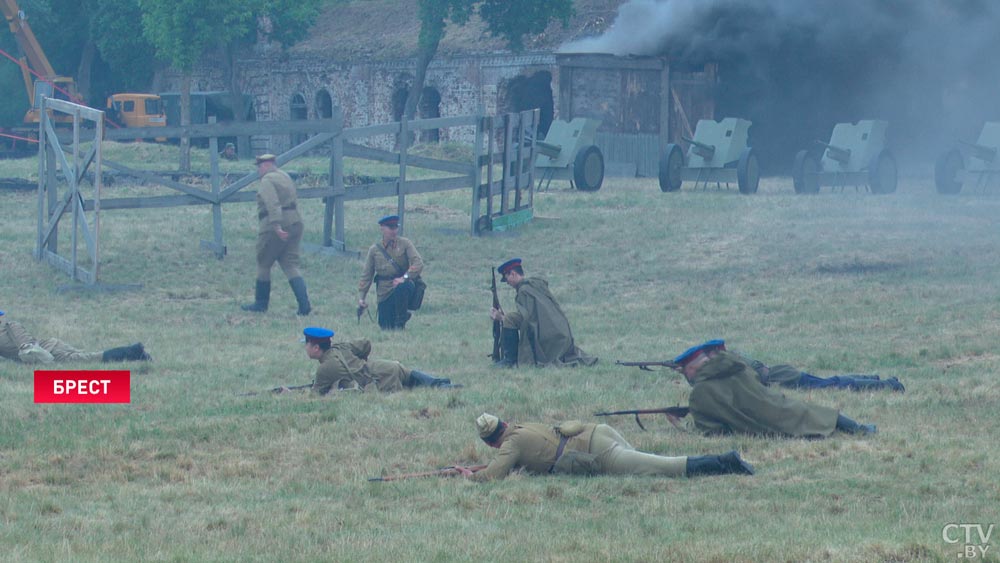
point(314, 333)
point(231, 145)
point(507, 266)
point(390, 221)
point(1, 313)
point(487, 424)
point(265, 158)
point(693, 352)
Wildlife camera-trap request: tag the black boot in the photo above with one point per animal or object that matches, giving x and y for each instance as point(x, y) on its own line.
point(508, 345)
point(419, 378)
point(849, 426)
point(862, 384)
point(299, 288)
point(261, 298)
point(718, 465)
point(133, 353)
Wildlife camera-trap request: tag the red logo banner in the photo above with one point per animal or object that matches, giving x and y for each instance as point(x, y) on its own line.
point(83, 386)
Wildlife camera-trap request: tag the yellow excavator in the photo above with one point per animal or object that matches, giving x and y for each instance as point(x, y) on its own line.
point(41, 80)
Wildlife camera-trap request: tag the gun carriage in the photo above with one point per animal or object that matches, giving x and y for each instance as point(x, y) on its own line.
point(970, 164)
point(855, 156)
point(568, 152)
point(718, 154)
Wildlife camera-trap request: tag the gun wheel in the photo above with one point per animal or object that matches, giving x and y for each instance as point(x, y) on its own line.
point(882, 173)
point(946, 172)
point(805, 173)
point(671, 165)
point(747, 172)
point(588, 169)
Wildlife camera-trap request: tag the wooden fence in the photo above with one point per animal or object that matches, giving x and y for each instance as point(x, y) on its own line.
point(500, 174)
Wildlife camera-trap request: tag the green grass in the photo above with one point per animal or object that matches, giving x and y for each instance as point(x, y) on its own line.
point(900, 285)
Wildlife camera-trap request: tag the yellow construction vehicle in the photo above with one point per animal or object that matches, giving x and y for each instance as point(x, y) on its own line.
point(137, 110)
point(40, 79)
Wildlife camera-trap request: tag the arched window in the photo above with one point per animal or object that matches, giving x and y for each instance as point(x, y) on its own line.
point(324, 105)
point(530, 92)
point(298, 112)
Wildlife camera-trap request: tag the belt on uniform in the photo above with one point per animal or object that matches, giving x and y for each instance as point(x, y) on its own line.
point(263, 214)
point(385, 278)
point(559, 452)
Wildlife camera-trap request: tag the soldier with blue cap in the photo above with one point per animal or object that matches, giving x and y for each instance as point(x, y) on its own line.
point(538, 332)
point(19, 345)
point(346, 365)
point(794, 378)
point(727, 396)
point(279, 235)
point(393, 264)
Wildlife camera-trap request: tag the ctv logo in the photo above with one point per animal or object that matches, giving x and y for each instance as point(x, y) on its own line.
point(974, 538)
point(83, 386)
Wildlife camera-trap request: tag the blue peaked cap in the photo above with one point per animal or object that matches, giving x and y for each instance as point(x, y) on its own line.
point(317, 333)
point(389, 220)
point(506, 266)
point(715, 344)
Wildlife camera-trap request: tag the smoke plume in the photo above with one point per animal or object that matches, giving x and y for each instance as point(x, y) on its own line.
point(797, 67)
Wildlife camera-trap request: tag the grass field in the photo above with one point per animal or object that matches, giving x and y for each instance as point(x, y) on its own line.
point(902, 285)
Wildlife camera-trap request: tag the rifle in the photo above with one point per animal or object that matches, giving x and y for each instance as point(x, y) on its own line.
point(443, 472)
point(645, 365)
point(676, 412)
point(497, 354)
point(276, 390)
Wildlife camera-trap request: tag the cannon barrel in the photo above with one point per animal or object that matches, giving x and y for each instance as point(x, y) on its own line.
point(984, 153)
point(839, 154)
point(703, 149)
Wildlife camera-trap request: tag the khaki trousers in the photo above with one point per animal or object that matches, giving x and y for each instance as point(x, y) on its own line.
point(271, 249)
point(617, 457)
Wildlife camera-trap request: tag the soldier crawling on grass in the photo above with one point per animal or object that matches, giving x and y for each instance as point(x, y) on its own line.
point(347, 366)
point(538, 332)
point(576, 448)
point(727, 396)
point(794, 378)
point(19, 345)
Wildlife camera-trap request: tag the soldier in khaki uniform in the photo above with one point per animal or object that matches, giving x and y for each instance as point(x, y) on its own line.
point(345, 365)
point(584, 449)
point(20, 346)
point(791, 377)
point(727, 396)
point(538, 332)
point(393, 264)
point(279, 235)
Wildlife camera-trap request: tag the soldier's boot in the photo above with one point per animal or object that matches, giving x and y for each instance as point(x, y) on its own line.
point(860, 384)
point(299, 288)
point(849, 426)
point(508, 344)
point(726, 463)
point(133, 353)
point(419, 378)
point(262, 296)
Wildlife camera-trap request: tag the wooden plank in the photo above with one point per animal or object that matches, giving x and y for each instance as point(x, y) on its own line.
point(508, 221)
point(372, 130)
point(606, 61)
point(230, 129)
point(60, 263)
point(280, 160)
point(153, 178)
point(71, 108)
point(360, 151)
point(440, 122)
point(368, 153)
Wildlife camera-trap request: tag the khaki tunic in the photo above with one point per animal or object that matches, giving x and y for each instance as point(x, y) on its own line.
point(346, 366)
point(383, 272)
point(533, 447)
point(15, 344)
point(728, 397)
point(277, 202)
point(545, 337)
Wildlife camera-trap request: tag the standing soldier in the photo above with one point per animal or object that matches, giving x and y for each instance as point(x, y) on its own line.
point(345, 365)
point(538, 332)
point(576, 448)
point(393, 263)
point(278, 236)
point(20, 346)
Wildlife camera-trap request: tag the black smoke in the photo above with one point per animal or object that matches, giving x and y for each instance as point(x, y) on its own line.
point(798, 67)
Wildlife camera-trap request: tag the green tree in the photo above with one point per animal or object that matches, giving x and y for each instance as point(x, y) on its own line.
point(508, 19)
point(182, 30)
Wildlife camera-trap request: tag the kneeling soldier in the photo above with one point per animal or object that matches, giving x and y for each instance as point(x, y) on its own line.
point(345, 365)
point(577, 448)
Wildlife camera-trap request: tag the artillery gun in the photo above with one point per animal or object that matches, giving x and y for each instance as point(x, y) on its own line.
point(976, 163)
point(718, 154)
point(568, 152)
point(855, 156)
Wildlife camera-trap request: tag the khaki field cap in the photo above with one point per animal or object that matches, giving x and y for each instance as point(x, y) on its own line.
point(487, 424)
point(265, 158)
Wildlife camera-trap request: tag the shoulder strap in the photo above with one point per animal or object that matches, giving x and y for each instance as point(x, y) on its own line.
point(389, 258)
